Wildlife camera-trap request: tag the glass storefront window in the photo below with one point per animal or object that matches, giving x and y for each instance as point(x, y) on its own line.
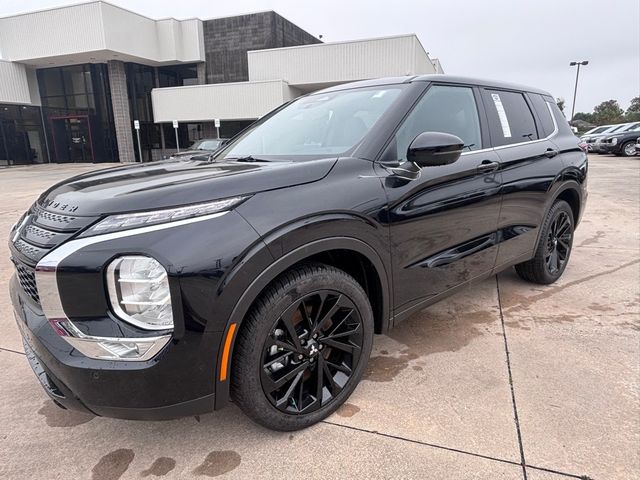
point(21, 135)
point(76, 103)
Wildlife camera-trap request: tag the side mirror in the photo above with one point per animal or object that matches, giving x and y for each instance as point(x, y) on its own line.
point(430, 149)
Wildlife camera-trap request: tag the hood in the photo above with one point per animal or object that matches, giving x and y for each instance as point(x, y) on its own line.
point(175, 182)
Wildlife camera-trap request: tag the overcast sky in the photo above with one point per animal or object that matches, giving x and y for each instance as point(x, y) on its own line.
point(529, 42)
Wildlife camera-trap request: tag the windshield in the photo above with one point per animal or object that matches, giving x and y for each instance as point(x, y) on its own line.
point(631, 128)
point(618, 127)
point(206, 144)
point(316, 125)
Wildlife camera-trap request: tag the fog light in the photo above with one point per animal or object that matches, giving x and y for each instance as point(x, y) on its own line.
point(139, 292)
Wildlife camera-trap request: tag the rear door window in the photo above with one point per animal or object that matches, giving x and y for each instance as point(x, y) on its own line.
point(510, 118)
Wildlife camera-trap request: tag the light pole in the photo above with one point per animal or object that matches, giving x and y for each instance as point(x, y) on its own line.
point(575, 90)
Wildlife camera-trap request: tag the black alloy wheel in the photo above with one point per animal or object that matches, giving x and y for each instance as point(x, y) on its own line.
point(311, 352)
point(554, 246)
point(303, 347)
point(559, 240)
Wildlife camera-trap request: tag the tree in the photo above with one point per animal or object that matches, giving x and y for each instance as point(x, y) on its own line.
point(608, 112)
point(633, 112)
point(560, 102)
point(585, 117)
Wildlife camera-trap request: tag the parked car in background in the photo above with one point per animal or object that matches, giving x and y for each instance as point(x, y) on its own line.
point(596, 131)
point(168, 289)
point(201, 147)
point(594, 140)
point(638, 146)
point(623, 143)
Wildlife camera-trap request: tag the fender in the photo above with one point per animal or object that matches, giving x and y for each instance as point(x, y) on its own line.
point(267, 276)
point(555, 191)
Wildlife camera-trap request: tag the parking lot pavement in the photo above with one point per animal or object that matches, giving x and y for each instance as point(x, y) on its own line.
point(441, 394)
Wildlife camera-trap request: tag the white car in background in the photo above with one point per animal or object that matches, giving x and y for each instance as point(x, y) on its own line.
point(595, 131)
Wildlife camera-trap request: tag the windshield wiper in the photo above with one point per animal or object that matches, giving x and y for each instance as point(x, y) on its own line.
point(247, 158)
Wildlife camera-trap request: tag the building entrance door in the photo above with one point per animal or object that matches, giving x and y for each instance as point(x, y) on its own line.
point(72, 139)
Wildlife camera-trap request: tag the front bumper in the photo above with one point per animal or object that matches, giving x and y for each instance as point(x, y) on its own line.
point(163, 387)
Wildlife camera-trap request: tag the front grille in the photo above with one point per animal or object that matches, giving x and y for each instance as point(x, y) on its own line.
point(30, 251)
point(37, 232)
point(53, 217)
point(40, 233)
point(27, 279)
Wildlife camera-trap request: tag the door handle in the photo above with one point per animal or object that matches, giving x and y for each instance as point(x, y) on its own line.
point(550, 153)
point(488, 166)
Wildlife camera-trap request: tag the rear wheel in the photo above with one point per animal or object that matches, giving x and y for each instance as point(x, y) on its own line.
point(554, 248)
point(303, 348)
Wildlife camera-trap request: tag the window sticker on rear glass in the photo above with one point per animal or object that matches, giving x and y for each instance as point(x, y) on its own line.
point(502, 115)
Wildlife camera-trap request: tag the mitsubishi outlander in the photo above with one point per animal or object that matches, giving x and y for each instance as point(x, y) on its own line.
point(261, 273)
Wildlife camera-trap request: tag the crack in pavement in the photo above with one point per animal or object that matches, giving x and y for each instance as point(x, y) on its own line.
point(523, 462)
point(550, 290)
point(12, 351)
point(453, 450)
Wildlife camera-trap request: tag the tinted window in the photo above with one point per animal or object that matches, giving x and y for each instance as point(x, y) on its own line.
point(510, 118)
point(544, 115)
point(442, 109)
point(561, 121)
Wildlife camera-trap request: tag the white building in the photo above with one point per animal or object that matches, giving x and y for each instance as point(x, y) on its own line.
point(73, 79)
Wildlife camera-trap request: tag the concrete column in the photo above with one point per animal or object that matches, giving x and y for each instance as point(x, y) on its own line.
point(202, 73)
point(120, 106)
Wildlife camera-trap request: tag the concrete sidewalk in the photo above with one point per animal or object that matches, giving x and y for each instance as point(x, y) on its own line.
point(504, 380)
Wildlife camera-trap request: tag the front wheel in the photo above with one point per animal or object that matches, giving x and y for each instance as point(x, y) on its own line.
point(628, 149)
point(554, 248)
point(303, 348)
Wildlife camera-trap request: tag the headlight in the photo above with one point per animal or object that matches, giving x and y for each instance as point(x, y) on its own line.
point(139, 292)
point(143, 219)
point(614, 141)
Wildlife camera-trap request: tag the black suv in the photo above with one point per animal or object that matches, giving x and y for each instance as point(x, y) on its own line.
point(261, 275)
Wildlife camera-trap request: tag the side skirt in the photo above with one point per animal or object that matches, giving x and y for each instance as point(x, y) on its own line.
point(404, 314)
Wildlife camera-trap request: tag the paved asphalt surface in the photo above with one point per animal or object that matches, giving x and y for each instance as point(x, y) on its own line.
point(504, 380)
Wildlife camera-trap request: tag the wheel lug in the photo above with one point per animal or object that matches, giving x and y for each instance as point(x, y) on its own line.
point(320, 347)
point(300, 357)
point(315, 335)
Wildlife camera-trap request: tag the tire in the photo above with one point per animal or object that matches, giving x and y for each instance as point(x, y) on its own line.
point(626, 150)
point(274, 377)
point(557, 236)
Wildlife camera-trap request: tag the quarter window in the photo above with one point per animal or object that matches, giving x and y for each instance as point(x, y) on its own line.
point(445, 109)
point(510, 118)
point(544, 114)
